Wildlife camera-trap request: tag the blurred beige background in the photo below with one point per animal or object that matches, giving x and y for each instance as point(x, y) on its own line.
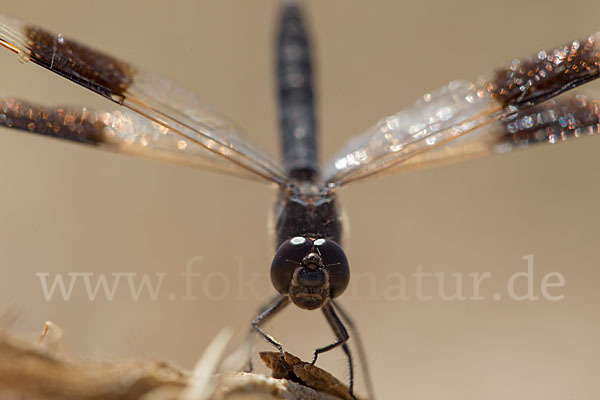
point(65, 208)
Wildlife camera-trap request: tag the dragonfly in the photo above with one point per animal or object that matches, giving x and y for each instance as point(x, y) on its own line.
point(514, 107)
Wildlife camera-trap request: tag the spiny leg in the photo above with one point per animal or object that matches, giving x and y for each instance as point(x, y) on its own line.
point(265, 314)
point(359, 345)
point(350, 369)
point(342, 337)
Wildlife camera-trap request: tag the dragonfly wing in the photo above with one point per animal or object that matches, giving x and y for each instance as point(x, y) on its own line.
point(554, 121)
point(155, 98)
point(467, 119)
point(120, 130)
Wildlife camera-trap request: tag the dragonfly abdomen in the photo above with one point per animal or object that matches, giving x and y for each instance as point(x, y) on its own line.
point(296, 100)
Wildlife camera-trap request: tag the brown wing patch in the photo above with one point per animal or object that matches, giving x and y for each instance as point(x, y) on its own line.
point(549, 73)
point(554, 121)
point(61, 123)
point(92, 69)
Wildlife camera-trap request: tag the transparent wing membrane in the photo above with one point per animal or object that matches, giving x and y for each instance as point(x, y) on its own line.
point(431, 122)
point(168, 105)
point(159, 103)
point(496, 114)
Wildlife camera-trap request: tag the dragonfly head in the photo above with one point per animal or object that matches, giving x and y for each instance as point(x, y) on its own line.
point(310, 271)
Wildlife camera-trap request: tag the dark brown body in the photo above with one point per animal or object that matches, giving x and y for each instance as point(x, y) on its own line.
point(309, 211)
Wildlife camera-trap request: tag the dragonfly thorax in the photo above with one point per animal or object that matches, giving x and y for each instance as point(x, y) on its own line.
point(307, 211)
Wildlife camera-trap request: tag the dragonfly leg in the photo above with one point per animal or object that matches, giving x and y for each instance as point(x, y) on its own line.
point(265, 314)
point(342, 337)
point(359, 345)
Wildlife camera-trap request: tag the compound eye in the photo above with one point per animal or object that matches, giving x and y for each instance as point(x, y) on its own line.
point(287, 258)
point(335, 263)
